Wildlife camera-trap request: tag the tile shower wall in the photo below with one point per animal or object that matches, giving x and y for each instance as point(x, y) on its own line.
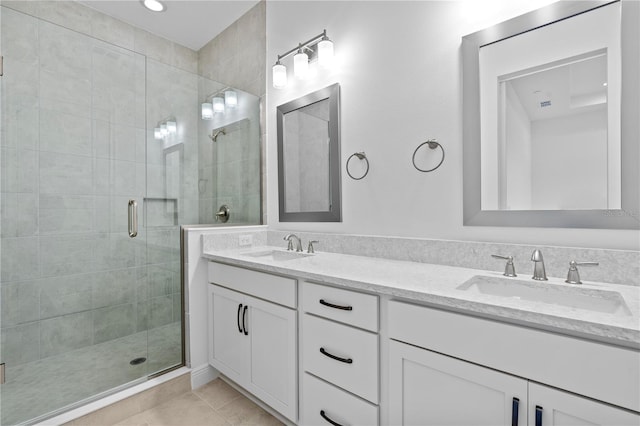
point(228, 167)
point(73, 153)
point(237, 57)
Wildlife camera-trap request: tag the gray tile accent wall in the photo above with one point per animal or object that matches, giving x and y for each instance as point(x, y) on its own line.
point(73, 153)
point(616, 266)
point(82, 19)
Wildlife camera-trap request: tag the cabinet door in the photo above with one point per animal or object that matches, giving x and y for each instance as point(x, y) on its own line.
point(552, 407)
point(273, 334)
point(427, 388)
point(229, 347)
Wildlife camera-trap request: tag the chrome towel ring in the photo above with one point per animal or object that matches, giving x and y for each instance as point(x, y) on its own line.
point(360, 156)
point(433, 144)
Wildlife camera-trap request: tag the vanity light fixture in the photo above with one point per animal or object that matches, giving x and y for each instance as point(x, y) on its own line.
point(217, 102)
point(230, 98)
point(279, 75)
point(154, 5)
point(206, 111)
point(301, 64)
point(165, 128)
point(319, 47)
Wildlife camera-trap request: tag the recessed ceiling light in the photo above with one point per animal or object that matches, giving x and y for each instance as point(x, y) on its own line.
point(154, 5)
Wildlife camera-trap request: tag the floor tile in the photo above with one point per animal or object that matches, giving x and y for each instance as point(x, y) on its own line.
point(240, 411)
point(217, 393)
point(184, 410)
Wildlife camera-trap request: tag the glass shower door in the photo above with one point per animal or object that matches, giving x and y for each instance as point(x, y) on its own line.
point(77, 300)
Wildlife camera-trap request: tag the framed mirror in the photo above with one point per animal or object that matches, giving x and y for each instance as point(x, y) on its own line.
point(551, 130)
point(309, 157)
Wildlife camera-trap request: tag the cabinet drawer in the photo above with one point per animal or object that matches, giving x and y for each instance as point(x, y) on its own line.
point(336, 404)
point(604, 372)
point(357, 368)
point(274, 288)
point(350, 307)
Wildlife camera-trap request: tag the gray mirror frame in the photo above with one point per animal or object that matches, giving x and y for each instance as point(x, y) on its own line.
point(335, 211)
point(628, 217)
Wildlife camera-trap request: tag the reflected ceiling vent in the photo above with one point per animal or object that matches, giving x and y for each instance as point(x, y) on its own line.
point(543, 98)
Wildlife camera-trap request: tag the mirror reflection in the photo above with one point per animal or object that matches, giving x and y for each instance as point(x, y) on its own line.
point(306, 156)
point(309, 157)
point(552, 138)
point(551, 118)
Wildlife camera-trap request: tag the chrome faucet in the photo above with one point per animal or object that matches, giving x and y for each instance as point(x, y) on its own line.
point(573, 277)
point(509, 268)
point(289, 238)
point(539, 273)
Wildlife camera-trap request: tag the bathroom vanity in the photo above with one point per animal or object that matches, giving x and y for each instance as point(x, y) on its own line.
point(340, 339)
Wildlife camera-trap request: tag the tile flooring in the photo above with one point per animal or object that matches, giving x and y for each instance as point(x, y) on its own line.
point(39, 387)
point(215, 403)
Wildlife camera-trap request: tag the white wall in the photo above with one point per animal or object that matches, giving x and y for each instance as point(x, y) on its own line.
point(399, 67)
point(569, 154)
point(518, 153)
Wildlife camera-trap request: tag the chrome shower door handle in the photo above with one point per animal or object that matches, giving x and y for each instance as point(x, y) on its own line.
point(133, 219)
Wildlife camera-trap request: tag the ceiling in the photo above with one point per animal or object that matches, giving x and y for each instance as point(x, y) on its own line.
point(191, 23)
point(575, 87)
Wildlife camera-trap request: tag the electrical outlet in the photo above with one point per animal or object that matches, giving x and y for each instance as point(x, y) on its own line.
point(245, 240)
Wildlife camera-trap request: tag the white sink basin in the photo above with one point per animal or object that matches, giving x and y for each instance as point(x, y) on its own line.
point(571, 296)
point(278, 255)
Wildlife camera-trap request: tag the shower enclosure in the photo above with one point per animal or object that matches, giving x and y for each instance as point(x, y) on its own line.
point(87, 308)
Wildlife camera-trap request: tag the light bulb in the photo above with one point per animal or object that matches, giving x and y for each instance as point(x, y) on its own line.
point(163, 130)
point(172, 127)
point(230, 98)
point(153, 5)
point(218, 104)
point(325, 53)
point(279, 76)
point(301, 65)
point(207, 111)
point(157, 133)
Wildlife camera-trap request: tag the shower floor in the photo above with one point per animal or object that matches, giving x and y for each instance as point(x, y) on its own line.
point(39, 387)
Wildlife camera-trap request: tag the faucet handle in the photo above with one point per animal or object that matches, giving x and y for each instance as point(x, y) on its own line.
point(310, 246)
point(509, 268)
point(573, 277)
point(290, 242)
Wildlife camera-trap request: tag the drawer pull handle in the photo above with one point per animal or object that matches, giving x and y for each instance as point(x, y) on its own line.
point(324, 416)
point(244, 320)
point(238, 317)
point(331, 305)
point(337, 358)
point(515, 405)
point(538, 415)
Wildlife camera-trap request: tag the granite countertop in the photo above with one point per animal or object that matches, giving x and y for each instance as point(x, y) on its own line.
point(438, 285)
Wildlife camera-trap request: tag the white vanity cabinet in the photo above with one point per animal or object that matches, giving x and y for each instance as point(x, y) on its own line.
point(340, 362)
point(427, 388)
point(471, 369)
point(254, 341)
point(553, 407)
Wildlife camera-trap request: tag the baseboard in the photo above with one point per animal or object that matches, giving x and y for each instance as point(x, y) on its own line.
point(202, 375)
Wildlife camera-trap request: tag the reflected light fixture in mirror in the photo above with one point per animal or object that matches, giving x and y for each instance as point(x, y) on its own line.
point(318, 48)
point(154, 5)
point(230, 98)
point(207, 111)
point(165, 128)
point(218, 104)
